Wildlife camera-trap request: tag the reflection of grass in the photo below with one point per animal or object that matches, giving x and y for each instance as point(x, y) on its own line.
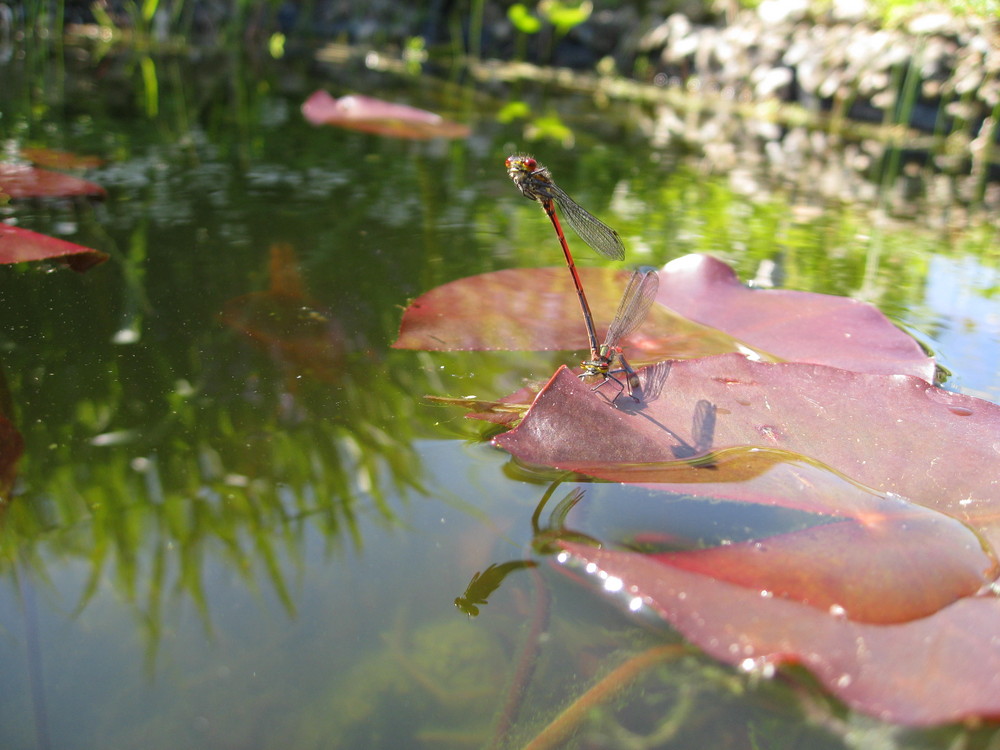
point(217, 479)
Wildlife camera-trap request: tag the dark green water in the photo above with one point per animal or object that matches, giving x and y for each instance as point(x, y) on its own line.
point(237, 522)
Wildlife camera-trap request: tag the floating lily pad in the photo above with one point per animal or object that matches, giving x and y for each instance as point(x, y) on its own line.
point(19, 245)
point(380, 117)
point(22, 181)
point(896, 575)
point(821, 405)
point(791, 325)
point(536, 309)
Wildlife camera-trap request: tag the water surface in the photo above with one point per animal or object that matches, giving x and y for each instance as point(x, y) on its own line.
point(239, 524)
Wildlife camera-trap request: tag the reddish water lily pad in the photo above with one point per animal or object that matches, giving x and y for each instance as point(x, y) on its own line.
point(911, 502)
point(19, 245)
point(845, 332)
point(380, 117)
point(904, 473)
point(895, 434)
point(941, 668)
point(887, 598)
point(535, 309)
point(21, 181)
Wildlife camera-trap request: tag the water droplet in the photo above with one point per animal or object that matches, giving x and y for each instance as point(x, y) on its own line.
point(613, 584)
point(837, 611)
point(844, 680)
point(960, 411)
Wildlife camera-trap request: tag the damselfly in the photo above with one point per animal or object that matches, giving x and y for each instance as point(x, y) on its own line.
point(535, 182)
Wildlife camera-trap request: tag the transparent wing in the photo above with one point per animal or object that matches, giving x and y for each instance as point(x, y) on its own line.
point(634, 306)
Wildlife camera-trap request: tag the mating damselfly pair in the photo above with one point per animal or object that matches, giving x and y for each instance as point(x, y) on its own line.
point(535, 182)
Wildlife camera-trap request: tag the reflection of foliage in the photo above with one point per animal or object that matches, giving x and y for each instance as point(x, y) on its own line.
point(152, 518)
point(146, 488)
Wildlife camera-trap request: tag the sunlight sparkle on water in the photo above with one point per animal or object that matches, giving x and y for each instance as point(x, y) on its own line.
point(761, 667)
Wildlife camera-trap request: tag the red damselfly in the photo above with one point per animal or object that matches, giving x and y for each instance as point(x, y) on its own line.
point(535, 182)
point(632, 310)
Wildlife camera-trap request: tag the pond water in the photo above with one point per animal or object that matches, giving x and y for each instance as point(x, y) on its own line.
point(239, 524)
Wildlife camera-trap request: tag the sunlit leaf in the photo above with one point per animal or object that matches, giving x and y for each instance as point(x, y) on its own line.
point(899, 474)
point(514, 110)
point(523, 20)
point(550, 127)
point(895, 434)
point(564, 16)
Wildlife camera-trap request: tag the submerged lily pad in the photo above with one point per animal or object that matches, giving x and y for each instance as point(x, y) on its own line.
point(931, 670)
point(287, 323)
point(58, 159)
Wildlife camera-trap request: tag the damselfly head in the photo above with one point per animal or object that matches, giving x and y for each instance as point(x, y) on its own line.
point(520, 163)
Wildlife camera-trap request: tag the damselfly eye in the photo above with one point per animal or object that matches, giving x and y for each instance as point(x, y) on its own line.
point(529, 164)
